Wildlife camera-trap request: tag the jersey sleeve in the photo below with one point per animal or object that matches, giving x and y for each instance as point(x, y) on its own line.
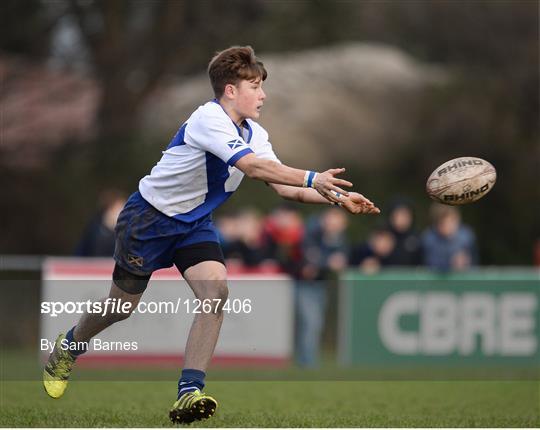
point(264, 149)
point(218, 136)
point(266, 152)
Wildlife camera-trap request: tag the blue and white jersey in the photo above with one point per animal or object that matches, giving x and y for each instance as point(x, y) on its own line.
point(196, 173)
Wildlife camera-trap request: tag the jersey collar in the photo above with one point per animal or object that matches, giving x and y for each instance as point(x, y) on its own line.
point(245, 123)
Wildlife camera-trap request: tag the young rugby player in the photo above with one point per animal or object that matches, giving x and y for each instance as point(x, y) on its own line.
point(168, 220)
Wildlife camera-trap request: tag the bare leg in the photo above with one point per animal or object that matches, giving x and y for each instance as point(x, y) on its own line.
point(91, 324)
point(60, 363)
point(208, 281)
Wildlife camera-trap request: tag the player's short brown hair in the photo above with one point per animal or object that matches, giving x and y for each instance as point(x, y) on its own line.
point(233, 65)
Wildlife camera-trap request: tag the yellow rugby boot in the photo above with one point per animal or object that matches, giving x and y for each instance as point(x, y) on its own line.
point(57, 370)
point(191, 407)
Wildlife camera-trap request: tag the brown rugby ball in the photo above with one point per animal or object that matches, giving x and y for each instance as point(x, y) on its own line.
point(461, 180)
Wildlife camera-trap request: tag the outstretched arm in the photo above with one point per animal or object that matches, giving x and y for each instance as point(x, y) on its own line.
point(302, 195)
point(354, 203)
point(326, 184)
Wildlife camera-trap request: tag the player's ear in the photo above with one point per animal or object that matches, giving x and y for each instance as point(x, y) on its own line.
point(229, 91)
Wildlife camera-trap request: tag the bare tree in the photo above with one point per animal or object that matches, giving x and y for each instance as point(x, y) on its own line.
point(134, 44)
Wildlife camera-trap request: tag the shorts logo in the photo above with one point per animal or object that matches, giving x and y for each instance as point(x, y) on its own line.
point(135, 260)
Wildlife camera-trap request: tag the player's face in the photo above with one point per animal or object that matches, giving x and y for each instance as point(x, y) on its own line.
point(249, 98)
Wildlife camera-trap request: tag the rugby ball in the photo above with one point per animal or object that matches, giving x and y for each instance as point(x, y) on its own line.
point(461, 180)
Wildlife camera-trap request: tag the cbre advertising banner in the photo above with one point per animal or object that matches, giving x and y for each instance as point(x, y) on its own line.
point(406, 318)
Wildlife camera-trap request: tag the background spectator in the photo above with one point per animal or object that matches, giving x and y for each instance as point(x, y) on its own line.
point(283, 233)
point(325, 253)
point(377, 252)
point(98, 237)
point(448, 244)
point(407, 250)
point(227, 226)
point(248, 240)
point(536, 253)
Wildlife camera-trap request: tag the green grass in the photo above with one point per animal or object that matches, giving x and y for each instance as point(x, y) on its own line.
point(292, 397)
point(280, 404)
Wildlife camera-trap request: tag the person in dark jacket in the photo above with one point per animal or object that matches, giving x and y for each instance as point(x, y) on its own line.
point(98, 239)
point(407, 249)
point(325, 254)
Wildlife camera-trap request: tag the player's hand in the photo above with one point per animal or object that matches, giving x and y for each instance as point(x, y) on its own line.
point(358, 204)
point(326, 182)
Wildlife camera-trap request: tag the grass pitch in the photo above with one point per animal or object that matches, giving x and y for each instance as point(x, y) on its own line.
point(279, 404)
point(327, 397)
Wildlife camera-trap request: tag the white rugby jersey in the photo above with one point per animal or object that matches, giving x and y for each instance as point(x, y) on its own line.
point(196, 173)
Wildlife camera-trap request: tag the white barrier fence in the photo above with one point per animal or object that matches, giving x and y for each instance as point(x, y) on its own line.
point(257, 327)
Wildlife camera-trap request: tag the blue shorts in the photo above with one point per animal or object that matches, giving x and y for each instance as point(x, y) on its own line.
point(147, 239)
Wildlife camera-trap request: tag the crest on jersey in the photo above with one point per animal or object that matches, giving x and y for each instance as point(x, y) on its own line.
point(233, 144)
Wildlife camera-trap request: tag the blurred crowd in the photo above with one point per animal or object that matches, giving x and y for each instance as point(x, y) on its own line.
point(315, 248)
point(319, 246)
